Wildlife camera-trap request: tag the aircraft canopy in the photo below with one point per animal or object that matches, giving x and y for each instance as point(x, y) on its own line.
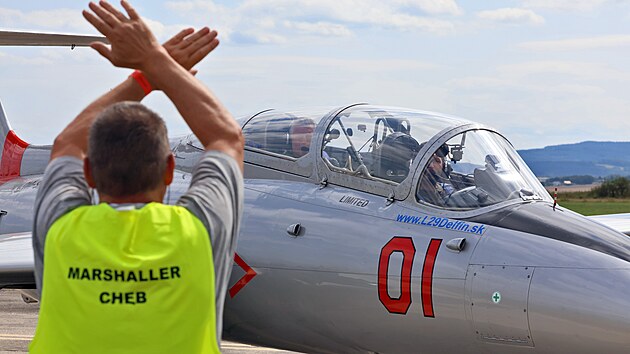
point(441, 161)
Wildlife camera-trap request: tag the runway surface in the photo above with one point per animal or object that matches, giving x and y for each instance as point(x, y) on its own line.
point(18, 320)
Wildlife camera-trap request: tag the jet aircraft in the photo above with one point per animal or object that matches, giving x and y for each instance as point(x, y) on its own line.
point(376, 229)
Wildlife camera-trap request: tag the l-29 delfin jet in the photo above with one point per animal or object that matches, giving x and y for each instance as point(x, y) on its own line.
point(376, 229)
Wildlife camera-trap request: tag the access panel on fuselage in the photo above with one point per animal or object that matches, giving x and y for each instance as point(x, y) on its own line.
point(498, 303)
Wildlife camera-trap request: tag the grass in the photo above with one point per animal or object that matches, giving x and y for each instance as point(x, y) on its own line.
point(585, 204)
point(597, 206)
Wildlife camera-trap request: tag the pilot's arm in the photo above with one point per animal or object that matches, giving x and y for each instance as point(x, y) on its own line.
point(428, 190)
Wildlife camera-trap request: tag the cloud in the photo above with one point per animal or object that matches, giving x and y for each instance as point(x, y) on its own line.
point(9, 59)
point(319, 28)
point(565, 5)
point(498, 85)
point(161, 31)
point(206, 11)
point(255, 37)
point(323, 18)
point(253, 66)
point(367, 12)
point(433, 7)
point(592, 72)
point(587, 43)
point(512, 16)
point(46, 57)
point(59, 19)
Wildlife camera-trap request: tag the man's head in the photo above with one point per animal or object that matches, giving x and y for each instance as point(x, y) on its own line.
point(300, 134)
point(128, 152)
point(437, 163)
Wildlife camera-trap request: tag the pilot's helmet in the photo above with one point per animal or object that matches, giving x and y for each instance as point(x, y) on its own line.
point(443, 151)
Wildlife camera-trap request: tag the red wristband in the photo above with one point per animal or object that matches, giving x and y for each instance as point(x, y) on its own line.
point(142, 81)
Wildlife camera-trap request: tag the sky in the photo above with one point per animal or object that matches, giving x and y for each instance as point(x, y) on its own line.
point(542, 72)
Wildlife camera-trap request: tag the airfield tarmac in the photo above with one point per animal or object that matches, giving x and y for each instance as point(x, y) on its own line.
point(18, 320)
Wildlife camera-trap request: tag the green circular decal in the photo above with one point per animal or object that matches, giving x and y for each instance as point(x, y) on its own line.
point(496, 297)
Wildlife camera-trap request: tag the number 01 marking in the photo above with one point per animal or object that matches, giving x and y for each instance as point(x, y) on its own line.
point(406, 246)
point(402, 303)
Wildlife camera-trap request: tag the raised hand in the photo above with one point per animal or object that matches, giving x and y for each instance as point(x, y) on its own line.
point(132, 43)
point(188, 48)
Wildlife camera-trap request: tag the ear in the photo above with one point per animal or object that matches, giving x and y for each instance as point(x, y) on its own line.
point(170, 170)
point(87, 171)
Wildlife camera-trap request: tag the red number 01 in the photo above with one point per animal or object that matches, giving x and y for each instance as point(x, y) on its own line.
point(405, 246)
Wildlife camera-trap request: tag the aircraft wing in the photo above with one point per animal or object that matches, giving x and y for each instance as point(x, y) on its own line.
point(16, 260)
point(619, 222)
point(19, 38)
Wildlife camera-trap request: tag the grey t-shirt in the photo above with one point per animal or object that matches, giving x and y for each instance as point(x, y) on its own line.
point(215, 196)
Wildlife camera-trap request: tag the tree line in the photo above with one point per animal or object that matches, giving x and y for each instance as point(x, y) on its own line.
point(617, 187)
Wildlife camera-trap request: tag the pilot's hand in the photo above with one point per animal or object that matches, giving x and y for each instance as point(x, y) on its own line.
point(132, 43)
point(188, 48)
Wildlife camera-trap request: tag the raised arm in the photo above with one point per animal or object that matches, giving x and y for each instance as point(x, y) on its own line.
point(134, 46)
point(187, 48)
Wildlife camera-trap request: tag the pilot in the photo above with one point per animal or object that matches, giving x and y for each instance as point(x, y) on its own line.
point(434, 186)
point(300, 136)
point(131, 274)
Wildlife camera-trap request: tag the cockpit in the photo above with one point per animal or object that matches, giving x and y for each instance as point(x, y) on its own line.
point(426, 158)
point(378, 144)
point(474, 169)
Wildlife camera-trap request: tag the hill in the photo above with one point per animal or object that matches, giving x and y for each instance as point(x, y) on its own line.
point(586, 158)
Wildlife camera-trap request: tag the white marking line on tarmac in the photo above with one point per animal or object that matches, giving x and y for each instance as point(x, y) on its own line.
point(17, 235)
point(250, 349)
point(15, 337)
point(22, 337)
point(246, 347)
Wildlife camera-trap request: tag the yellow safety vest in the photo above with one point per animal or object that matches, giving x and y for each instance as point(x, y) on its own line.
point(133, 281)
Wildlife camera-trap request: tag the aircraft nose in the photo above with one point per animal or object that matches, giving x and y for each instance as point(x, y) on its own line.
point(580, 310)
